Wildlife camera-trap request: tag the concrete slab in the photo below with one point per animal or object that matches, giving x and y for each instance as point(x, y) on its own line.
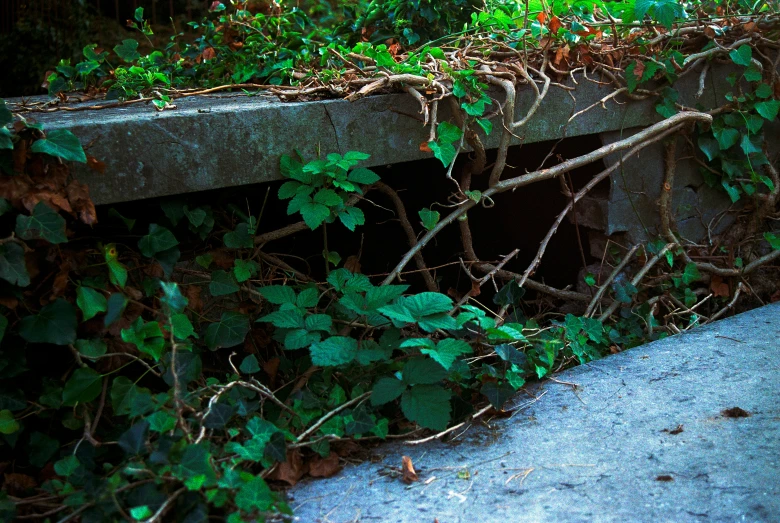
point(643, 437)
point(216, 141)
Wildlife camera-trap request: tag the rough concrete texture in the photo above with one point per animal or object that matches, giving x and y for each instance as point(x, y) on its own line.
point(638, 436)
point(211, 142)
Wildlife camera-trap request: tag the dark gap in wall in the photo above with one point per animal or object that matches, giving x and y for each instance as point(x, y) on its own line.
point(519, 219)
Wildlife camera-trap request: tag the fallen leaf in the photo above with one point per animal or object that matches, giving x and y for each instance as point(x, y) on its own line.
point(719, 287)
point(409, 475)
point(353, 264)
point(735, 412)
point(475, 288)
point(292, 470)
point(664, 477)
point(192, 293)
point(18, 484)
point(271, 367)
point(541, 17)
point(78, 196)
point(425, 148)
point(95, 164)
point(208, 54)
point(324, 467)
point(678, 429)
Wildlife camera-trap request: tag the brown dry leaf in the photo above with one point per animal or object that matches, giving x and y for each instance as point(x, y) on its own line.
point(13, 188)
point(541, 17)
point(324, 467)
point(55, 200)
point(476, 289)
point(719, 287)
point(775, 297)
point(409, 474)
point(749, 27)
point(208, 54)
point(19, 155)
point(292, 470)
point(96, 165)
point(735, 412)
point(61, 281)
point(639, 69)
point(192, 293)
point(78, 196)
point(353, 264)
point(555, 24)
point(17, 484)
point(271, 367)
point(424, 147)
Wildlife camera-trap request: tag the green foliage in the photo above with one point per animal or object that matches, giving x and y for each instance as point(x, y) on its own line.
point(320, 189)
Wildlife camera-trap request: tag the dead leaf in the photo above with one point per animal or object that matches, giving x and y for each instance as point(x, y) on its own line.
point(561, 54)
point(639, 69)
point(424, 147)
point(555, 24)
point(353, 264)
point(192, 293)
point(409, 475)
point(18, 484)
point(476, 289)
point(775, 297)
point(78, 196)
point(96, 165)
point(292, 470)
point(664, 477)
point(719, 287)
point(678, 429)
point(749, 27)
point(208, 54)
point(541, 17)
point(324, 467)
point(271, 367)
point(735, 412)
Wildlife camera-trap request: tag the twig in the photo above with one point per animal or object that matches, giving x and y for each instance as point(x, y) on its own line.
point(638, 278)
point(326, 417)
point(729, 306)
point(604, 286)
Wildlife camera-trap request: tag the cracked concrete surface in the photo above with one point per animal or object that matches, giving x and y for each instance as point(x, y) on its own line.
point(642, 437)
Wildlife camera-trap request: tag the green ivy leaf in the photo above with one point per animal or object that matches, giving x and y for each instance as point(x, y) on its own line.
point(146, 336)
point(497, 394)
point(429, 218)
point(690, 274)
point(90, 301)
point(182, 327)
point(254, 495)
point(116, 306)
point(91, 349)
point(41, 448)
point(8, 425)
point(45, 223)
point(336, 350)
point(141, 513)
point(6, 116)
point(768, 109)
point(249, 365)
point(83, 386)
point(229, 331)
point(67, 466)
point(223, 283)
point(127, 50)
point(128, 399)
point(61, 143)
point(55, 323)
point(427, 405)
point(12, 265)
point(773, 239)
point(240, 238)
point(159, 239)
point(172, 297)
point(117, 273)
point(741, 55)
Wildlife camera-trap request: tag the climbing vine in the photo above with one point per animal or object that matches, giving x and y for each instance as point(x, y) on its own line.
point(175, 372)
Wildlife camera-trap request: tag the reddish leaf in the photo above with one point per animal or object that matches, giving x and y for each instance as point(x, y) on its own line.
point(96, 165)
point(639, 69)
point(541, 17)
point(425, 148)
point(554, 25)
point(719, 287)
point(409, 474)
point(208, 54)
point(353, 264)
point(78, 195)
